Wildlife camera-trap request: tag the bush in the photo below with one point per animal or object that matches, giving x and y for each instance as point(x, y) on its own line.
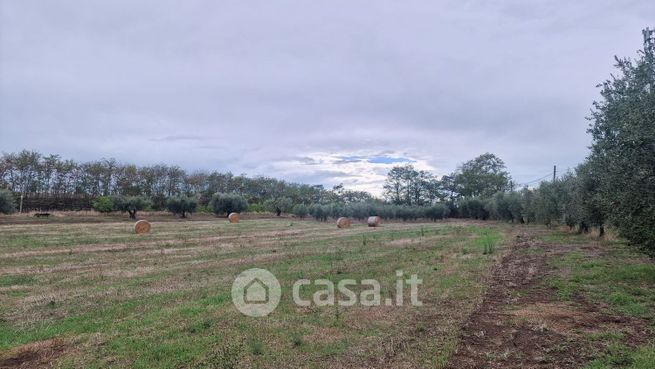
point(130, 204)
point(226, 203)
point(182, 205)
point(103, 204)
point(7, 203)
point(300, 210)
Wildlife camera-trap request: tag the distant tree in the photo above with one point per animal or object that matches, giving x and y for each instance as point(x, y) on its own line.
point(103, 204)
point(7, 203)
point(481, 177)
point(130, 204)
point(182, 205)
point(394, 185)
point(407, 186)
point(300, 210)
point(278, 205)
point(226, 203)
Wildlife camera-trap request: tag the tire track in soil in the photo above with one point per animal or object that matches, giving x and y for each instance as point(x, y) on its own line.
point(521, 324)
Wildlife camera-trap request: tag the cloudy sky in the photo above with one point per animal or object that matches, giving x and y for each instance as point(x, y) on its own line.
point(318, 92)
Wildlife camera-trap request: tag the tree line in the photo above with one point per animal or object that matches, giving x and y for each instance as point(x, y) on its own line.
point(30, 172)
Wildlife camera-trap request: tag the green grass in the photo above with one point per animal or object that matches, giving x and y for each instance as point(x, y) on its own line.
point(619, 277)
point(620, 356)
point(163, 300)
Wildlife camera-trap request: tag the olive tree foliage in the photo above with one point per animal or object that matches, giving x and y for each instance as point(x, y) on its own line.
point(226, 203)
point(182, 205)
point(473, 208)
point(437, 211)
point(300, 210)
point(130, 204)
point(319, 212)
point(278, 205)
point(506, 206)
point(587, 201)
point(623, 147)
point(7, 203)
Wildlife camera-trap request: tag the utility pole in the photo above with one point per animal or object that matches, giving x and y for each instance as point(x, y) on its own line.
point(554, 172)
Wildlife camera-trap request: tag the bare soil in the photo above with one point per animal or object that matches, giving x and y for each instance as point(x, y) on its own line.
point(521, 323)
point(35, 355)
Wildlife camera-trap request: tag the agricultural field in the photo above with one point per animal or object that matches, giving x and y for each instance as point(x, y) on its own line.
point(96, 295)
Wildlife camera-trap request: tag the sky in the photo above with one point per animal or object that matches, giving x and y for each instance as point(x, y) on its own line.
point(314, 92)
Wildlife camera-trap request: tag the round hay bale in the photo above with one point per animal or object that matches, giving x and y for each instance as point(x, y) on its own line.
point(343, 222)
point(234, 217)
point(374, 221)
point(142, 226)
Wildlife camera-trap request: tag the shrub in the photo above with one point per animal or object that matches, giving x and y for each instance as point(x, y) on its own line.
point(226, 203)
point(130, 204)
point(182, 205)
point(7, 203)
point(103, 204)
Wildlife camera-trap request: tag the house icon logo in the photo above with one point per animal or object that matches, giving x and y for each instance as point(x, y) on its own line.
point(256, 292)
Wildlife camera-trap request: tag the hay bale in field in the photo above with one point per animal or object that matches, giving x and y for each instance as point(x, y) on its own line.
point(234, 217)
point(374, 221)
point(343, 222)
point(142, 226)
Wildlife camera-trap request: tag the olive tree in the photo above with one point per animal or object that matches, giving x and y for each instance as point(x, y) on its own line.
point(300, 211)
point(278, 205)
point(226, 203)
point(182, 205)
point(130, 204)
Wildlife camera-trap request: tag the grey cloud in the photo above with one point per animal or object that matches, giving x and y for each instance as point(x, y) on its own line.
point(180, 138)
point(251, 87)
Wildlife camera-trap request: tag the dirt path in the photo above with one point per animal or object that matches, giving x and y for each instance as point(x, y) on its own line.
point(521, 323)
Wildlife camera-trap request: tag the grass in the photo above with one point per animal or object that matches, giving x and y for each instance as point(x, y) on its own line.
point(619, 277)
point(623, 357)
point(163, 300)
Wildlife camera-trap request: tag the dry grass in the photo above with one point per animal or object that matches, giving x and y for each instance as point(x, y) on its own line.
point(162, 299)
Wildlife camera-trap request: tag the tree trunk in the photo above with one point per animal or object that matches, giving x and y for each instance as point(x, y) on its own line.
point(278, 211)
point(602, 231)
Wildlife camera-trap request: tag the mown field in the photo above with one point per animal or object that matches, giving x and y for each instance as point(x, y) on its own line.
point(95, 295)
